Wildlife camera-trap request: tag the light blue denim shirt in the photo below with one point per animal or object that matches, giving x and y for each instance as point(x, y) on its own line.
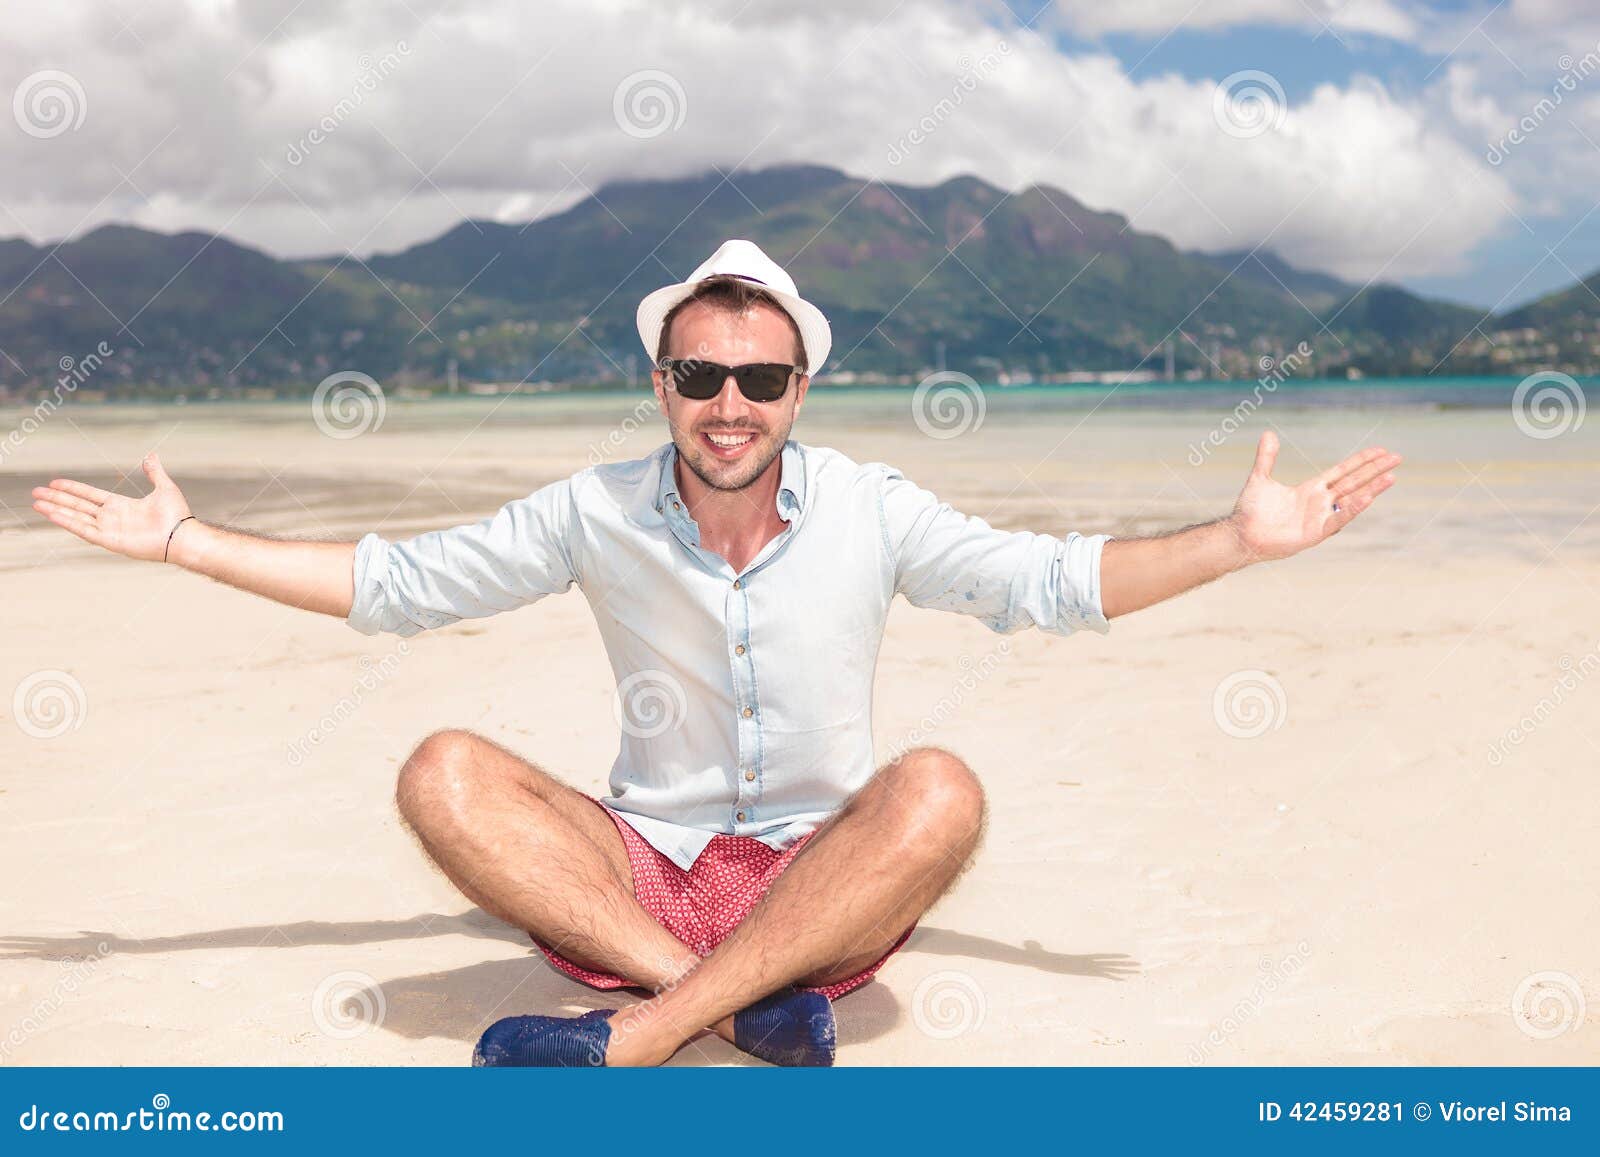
point(744, 698)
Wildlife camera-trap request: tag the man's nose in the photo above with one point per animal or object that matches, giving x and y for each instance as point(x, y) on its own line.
point(729, 402)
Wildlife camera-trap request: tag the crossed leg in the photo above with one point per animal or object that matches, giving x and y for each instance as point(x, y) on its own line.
point(869, 873)
point(537, 854)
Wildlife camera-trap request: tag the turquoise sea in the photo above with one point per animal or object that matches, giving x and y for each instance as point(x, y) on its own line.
point(1441, 393)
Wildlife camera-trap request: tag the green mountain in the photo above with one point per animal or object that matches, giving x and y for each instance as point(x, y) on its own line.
point(959, 274)
point(1032, 281)
point(1316, 291)
point(1577, 308)
point(186, 310)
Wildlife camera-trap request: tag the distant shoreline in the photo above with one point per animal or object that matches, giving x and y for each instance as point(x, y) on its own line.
point(1439, 392)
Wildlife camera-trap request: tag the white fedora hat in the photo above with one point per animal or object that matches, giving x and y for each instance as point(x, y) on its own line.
point(741, 259)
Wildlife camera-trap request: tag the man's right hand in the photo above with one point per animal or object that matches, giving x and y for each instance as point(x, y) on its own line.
point(316, 576)
point(136, 527)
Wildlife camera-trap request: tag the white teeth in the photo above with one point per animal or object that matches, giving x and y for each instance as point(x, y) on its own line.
point(730, 441)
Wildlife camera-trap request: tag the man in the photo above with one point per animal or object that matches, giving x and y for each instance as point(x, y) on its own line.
point(749, 864)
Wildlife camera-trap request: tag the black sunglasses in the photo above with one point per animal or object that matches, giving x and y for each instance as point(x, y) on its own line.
point(701, 381)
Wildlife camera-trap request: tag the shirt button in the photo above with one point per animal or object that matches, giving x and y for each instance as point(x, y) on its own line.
point(739, 650)
point(748, 712)
point(739, 816)
point(676, 506)
point(749, 777)
point(737, 584)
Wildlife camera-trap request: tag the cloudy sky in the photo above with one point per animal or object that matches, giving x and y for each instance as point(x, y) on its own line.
point(1368, 138)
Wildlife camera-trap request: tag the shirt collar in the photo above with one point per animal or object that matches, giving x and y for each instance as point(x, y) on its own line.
point(791, 481)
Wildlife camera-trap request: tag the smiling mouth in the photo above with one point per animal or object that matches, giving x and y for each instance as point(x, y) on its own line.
point(726, 444)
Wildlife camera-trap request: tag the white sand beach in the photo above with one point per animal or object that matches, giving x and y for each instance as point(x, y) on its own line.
point(1379, 876)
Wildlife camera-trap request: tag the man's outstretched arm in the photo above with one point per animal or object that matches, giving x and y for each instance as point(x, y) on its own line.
point(1269, 521)
point(316, 576)
point(514, 557)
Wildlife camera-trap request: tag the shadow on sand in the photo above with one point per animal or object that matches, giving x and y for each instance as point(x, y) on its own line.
point(459, 1003)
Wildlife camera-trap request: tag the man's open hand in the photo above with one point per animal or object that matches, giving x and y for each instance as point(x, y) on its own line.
point(136, 527)
point(1275, 521)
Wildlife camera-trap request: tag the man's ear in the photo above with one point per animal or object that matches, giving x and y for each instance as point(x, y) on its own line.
point(800, 391)
point(658, 382)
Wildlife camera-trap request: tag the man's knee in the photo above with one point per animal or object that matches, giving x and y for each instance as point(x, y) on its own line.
point(936, 788)
point(438, 779)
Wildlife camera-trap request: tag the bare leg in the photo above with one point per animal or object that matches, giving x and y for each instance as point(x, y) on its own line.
point(871, 871)
point(538, 855)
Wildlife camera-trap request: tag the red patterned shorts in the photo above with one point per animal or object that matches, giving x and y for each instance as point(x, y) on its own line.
point(703, 905)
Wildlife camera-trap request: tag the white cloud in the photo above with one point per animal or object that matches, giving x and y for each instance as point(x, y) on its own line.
point(1373, 17)
point(498, 108)
point(1520, 87)
point(1353, 181)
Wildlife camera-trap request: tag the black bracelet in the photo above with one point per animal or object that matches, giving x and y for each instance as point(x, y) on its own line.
point(174, 530)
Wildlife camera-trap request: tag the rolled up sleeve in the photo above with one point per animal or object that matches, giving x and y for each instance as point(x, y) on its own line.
point(1008, 580)
point(514, 557)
